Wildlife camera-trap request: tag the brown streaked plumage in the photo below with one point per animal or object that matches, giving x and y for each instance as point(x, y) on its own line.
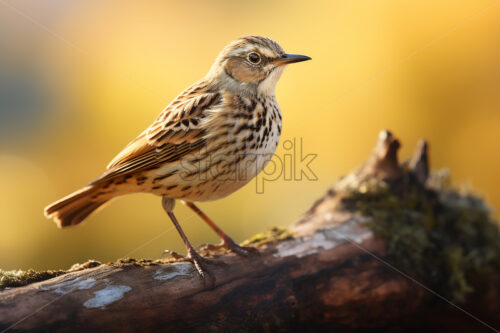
point(208, 142)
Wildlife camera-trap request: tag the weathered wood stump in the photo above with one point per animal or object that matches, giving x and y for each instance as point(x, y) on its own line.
point(332, 270)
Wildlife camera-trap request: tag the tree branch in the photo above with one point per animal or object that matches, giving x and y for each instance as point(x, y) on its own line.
point(327, 271)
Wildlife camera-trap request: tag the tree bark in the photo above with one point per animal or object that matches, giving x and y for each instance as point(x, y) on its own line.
point(326, 272)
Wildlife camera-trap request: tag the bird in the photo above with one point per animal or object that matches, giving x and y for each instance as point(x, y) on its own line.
point(211, 140)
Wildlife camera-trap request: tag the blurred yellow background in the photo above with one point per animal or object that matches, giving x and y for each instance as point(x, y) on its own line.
point(79, 79)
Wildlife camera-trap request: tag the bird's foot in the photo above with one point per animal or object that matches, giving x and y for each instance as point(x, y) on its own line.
point(201, 264)
point(229, 244)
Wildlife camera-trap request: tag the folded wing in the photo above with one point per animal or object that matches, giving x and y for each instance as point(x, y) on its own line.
point(177, 131)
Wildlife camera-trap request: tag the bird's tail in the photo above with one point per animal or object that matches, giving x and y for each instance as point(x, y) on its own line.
point(74, 208)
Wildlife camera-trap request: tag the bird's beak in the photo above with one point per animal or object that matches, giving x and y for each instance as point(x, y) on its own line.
point(288, 58)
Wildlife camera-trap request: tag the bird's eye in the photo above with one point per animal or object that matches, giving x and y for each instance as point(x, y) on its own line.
point(254, 58)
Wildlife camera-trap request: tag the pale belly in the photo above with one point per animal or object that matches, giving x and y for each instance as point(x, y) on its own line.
point(239, 174)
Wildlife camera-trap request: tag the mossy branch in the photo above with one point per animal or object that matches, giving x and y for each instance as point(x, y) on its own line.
point(327, 271)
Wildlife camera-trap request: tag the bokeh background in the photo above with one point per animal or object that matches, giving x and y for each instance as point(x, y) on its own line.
point(79, 79)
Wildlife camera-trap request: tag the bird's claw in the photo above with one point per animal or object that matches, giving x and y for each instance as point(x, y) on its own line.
point(201, 265)
point(229, 244)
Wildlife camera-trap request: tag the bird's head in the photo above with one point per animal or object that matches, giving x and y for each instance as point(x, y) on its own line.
point(251, 64)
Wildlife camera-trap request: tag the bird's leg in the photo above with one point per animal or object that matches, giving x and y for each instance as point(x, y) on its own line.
point(198, 261)
point(226, 241)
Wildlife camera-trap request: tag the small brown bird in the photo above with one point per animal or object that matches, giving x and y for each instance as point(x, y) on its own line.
point(208, 142)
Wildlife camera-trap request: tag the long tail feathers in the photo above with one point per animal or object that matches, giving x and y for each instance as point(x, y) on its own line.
point(75, 207)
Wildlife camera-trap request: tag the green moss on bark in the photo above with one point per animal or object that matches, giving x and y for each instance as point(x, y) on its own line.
point(443, 236)
point(272, 235)
point(17, 278)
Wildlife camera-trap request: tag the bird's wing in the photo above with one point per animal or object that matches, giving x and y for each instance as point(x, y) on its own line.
point(176, 132)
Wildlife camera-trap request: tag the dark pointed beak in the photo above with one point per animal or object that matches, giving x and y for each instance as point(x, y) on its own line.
point(288, 58)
